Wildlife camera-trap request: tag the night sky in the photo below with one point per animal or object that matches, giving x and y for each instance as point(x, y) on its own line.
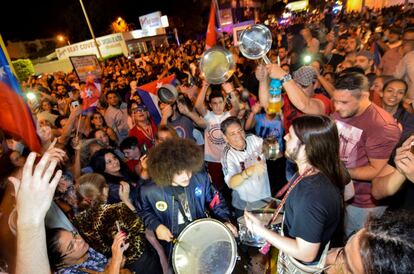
point(46, 19)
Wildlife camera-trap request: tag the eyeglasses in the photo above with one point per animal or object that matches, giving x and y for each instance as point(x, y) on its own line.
point(70, 248)
point(136, 110)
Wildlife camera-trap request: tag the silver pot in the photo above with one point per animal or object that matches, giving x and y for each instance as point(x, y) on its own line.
point(255, 42)
point(271, 149)
point(167, 94)
point(217, 65)
point(249, 238)
point(204, 246)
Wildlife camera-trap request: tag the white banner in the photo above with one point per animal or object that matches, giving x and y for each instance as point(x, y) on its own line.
point(151, 20)
point(113, 44)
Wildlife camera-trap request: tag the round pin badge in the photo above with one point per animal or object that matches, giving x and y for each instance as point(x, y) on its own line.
point(198, 191)
point(161, 205)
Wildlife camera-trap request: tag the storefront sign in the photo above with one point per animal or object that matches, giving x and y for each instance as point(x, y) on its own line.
point(109, 45)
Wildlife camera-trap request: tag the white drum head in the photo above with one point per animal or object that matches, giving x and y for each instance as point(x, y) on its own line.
point(205, 246)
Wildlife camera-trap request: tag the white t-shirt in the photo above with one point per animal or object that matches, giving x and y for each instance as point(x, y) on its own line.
point(256, 187)
point(213, 137)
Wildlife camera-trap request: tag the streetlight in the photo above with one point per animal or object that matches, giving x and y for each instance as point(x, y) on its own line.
point(119, 25)
point(62, 39)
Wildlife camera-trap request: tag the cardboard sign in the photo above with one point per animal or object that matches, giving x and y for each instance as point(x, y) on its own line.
point(86, 64)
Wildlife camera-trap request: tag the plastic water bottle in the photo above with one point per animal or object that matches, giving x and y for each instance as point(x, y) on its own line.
point(275, 100)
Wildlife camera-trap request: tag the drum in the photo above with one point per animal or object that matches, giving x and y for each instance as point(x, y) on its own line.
point(217, 65)
point(205, 246)
point(251, 239)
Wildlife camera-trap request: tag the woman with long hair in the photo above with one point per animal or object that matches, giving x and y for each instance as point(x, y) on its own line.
point(107, 163)
point(313, 202)
point(97, 121)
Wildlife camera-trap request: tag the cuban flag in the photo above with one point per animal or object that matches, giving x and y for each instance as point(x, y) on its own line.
point(149, 97)
point(15, 116)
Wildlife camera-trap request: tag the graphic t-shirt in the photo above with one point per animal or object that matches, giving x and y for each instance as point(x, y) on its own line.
point(213, 137)
point(254, 189)
point(183, 126)
point(373, 134)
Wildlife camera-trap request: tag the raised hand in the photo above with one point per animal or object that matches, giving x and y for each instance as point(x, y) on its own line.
point(34, 192)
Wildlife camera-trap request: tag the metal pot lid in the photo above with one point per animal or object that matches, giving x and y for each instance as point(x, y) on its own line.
point(255, 41)
point(217, 65)
point(167, 94)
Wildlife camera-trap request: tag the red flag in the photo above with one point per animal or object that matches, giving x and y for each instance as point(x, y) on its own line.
point(211, 37)
point(16, 119)
point(15, 116)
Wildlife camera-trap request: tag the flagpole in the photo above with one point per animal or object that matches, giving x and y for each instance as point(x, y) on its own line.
point(90, 29)
point(219, 21)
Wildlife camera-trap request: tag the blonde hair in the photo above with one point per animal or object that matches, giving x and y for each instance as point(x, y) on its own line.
point(91, 189)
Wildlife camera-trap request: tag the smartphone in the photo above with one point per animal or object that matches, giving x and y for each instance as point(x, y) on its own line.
point(117, 226)
point(144, 150)
point(75, 103)
point(412, 147)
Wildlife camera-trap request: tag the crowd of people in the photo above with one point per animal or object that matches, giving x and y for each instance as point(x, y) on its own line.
point(129, 179)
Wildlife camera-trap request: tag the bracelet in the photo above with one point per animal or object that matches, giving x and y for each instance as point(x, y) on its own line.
point(286, 79)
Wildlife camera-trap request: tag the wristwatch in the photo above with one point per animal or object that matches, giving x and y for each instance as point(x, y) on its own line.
point(286, 78)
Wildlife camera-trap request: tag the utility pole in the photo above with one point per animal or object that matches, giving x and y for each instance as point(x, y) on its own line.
point(91, 30)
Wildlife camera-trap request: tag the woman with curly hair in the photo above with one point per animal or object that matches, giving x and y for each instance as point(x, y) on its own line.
point(182, 191)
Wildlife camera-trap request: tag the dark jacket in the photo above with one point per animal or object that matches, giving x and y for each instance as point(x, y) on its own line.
point(157, 205)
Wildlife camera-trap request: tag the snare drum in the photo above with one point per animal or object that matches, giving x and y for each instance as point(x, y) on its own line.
point(205, 246)
point(251, 239)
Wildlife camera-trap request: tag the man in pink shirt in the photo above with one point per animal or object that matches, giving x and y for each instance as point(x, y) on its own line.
point(368, 134)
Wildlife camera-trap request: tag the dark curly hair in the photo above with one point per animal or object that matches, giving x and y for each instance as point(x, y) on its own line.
point(172, 157)
point(387, 244)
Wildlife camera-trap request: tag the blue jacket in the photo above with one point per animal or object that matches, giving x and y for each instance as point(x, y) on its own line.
point(157, 205)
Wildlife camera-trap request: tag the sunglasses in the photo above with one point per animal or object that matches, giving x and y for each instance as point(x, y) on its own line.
point(136, 110)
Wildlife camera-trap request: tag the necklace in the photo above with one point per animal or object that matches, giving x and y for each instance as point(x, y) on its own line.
point(147, 131)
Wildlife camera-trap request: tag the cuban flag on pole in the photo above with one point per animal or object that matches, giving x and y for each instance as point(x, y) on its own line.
point(149, 97)
point(15, 118)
